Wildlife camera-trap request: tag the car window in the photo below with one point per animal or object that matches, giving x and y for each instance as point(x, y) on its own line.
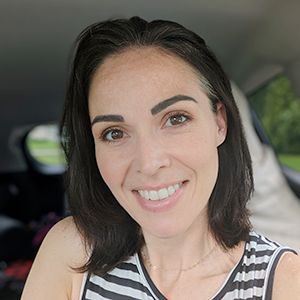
point(44, 148)
point(278, 109)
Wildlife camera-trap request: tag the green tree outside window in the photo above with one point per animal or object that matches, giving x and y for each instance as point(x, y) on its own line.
point(278, 108)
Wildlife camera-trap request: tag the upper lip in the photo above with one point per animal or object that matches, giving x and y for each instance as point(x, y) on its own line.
point(157, 187)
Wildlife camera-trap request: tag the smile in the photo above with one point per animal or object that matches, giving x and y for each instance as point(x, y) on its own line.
point(159, 194)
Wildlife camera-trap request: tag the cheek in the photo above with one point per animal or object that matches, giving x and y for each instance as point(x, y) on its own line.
point(198, 147)
point(204, 162)
point(112, 168)
point(106, 167)
point(201, 155)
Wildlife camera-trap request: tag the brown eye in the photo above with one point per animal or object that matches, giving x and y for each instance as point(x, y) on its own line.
point(113, 135)
point(177, 119)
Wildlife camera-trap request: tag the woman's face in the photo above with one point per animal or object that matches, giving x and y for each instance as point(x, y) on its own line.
point(156, 139)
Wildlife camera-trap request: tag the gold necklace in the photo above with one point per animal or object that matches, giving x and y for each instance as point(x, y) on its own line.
point(154, 267)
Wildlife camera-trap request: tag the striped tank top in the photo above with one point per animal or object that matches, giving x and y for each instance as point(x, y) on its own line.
point(251, 278)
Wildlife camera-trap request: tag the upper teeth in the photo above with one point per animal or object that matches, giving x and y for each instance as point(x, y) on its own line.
point(161, 194)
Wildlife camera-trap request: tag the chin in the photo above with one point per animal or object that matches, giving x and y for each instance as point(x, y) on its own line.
point(165, 230)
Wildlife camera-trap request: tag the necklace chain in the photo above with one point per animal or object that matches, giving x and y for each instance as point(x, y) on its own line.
point(155, 267)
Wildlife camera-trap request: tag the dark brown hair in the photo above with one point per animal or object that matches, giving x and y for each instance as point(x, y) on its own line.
point(108, 230)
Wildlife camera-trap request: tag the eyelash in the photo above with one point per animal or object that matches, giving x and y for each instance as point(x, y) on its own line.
point(188, 118)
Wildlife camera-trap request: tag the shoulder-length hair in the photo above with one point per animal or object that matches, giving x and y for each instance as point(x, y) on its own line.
point(109, 232)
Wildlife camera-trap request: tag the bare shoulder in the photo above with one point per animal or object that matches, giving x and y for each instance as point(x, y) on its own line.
point(52, 275)
point(287, 277)
point(64, 235)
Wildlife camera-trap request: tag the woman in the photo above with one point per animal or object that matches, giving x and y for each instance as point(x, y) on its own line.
point(159, 176)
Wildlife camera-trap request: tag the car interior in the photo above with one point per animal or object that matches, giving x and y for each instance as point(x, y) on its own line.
point(255, 41)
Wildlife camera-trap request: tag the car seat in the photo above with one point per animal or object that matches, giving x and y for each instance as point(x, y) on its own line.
point(274, 207)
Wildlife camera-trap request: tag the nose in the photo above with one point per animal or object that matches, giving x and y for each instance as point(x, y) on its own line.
point(150, 156)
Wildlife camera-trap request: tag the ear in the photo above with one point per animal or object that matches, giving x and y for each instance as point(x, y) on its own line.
point(221, 121)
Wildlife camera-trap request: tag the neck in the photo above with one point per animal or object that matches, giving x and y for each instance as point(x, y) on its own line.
point(183, 251)
point(179, 252)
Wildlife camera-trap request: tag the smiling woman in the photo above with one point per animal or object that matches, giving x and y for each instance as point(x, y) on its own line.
point(140, 155)
point(159, 175)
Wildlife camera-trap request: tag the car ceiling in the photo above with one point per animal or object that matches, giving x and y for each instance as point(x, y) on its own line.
point(253, 39)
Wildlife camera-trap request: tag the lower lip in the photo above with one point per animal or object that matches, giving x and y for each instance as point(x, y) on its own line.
point(163, 205)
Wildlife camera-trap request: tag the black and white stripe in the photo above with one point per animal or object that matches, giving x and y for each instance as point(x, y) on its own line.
point(123, 282)
point(251, 278)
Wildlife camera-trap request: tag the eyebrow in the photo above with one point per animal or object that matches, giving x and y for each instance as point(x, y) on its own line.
point(155, 110)
point(107, 118)
point(170, 101)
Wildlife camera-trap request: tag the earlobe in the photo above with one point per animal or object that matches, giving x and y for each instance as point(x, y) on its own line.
point(221, 120)
point(221, 136)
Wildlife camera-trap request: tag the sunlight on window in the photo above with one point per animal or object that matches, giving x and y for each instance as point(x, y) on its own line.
point(43, 144)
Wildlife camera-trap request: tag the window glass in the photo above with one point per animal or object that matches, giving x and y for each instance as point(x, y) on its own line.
point(278, 109)
point(43, 145)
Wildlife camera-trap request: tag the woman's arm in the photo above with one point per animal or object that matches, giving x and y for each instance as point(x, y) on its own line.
point(287, 278)
point(51, 276)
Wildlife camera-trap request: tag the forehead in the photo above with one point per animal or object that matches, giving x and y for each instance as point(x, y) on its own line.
point(141, 73)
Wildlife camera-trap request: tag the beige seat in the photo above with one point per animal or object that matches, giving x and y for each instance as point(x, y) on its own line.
point(275, 208)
